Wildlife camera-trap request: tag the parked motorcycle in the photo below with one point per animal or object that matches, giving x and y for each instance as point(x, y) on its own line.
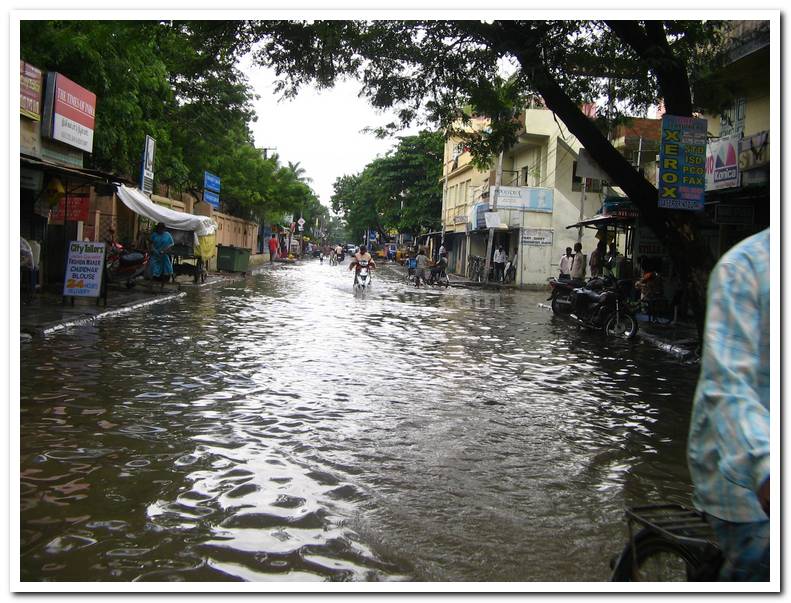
point(125, 265)
point(606, 309)
point(560, 295)
point(362, 278)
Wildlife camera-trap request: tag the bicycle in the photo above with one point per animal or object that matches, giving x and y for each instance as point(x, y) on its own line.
point(476, 268)
point(675, 544)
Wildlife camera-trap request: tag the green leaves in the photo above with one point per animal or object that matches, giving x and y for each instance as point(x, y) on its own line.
point(400, 191)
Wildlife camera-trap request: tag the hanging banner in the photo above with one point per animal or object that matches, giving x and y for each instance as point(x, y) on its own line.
point(682, 163)
point(84, 268)
point(79, 207)
point(722, 164)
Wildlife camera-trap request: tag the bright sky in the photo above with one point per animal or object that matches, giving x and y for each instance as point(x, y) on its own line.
point(320, 130)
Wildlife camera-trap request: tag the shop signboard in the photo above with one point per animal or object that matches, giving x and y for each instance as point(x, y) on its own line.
point(740, 215)
point(537, 237)
point(754, 151)
point(30, 83)
point(147, 171)
point(84, 269)
point(682, 163)
point(620, 207)
point(75, 208)
point(69, 113)
point(211, 198)
point(722, 164)
point(525, 198)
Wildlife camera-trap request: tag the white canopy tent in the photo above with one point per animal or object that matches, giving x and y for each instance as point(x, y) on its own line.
point(139, 203)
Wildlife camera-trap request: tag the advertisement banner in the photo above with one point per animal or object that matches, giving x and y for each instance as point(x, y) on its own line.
point(30, 83)
point(78, 209)
point(84, 268)
point(147, 173)
point(69, 112)
point(722, 164)
point(525, 198)
point(682, 163)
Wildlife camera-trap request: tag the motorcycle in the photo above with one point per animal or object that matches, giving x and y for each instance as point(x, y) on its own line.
point(560, 295)
point(362, 278)
point(125, 265)
point(438, 279)
point(604, 310)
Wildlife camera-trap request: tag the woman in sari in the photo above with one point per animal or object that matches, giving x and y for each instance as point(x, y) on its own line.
point(161, 264)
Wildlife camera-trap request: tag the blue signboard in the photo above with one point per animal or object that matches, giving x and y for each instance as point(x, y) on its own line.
point(212, 199)
point(682, 163)
point(211, 182)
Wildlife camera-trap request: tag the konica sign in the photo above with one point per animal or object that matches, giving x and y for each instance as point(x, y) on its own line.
point(722, 164)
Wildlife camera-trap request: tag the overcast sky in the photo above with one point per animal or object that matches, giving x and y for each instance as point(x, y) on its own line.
point(320, 130)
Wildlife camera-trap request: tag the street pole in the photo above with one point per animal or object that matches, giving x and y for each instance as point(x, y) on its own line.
point(582, 207)
point(497, 180)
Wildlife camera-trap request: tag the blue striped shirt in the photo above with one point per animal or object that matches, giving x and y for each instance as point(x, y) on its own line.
point(728, 448)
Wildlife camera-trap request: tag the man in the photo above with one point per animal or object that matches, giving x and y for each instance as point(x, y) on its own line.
point(499, 263)
point(565, 265)
point(728, 446)
point(273, 247)
point(442, 250)
point(362, 255)
point(440, 267)
point(597, 259)
point(421, 261)
point(339, 252)
point(578, 264)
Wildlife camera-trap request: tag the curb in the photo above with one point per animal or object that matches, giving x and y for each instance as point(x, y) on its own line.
point(87, 320)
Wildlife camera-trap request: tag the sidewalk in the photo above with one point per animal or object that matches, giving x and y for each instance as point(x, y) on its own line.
point(46, 312)
point(680, 339)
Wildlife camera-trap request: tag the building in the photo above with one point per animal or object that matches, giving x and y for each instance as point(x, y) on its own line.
point(540, 195)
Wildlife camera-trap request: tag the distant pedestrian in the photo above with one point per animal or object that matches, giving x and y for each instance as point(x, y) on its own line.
point(499, 263)
point(565, 265)
point(578, 265)
point(273, 248)
point(421, 261)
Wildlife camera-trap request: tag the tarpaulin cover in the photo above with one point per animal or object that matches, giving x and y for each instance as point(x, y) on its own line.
point(207, 247)
point(135, 200)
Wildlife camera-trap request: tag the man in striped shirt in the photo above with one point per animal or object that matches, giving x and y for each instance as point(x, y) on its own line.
point(728, 448)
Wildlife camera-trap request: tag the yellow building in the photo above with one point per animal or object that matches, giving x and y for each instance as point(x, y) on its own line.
point(538, 198)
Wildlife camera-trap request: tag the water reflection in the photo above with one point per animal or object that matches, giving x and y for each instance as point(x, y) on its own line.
point(280, 429)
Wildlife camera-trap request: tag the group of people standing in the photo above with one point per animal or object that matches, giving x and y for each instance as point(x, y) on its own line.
point(602, 262)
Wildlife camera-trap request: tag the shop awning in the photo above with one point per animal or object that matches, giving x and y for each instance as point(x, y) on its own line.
point(135, 200)
point(602, 221)
point(82, 175)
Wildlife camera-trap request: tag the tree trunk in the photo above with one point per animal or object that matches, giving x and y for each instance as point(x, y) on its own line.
point(677, 229)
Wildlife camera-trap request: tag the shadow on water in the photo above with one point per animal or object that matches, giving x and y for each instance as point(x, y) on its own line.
point(281, 429)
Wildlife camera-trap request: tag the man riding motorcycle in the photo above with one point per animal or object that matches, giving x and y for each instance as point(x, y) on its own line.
point(361, 256)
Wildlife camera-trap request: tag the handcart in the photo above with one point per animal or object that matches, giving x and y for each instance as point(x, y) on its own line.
point(189, 258)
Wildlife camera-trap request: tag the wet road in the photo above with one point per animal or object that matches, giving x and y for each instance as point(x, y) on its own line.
point(280, 429)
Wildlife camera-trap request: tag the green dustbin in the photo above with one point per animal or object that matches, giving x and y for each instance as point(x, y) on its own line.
point(232, 259)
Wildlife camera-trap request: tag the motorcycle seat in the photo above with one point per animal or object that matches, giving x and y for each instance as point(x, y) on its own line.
point(133, 257)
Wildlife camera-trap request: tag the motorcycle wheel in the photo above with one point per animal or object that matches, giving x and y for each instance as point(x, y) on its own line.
point(623, 325)
point(561, 304)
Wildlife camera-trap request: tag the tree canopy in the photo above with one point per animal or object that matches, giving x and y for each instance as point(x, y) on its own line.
point(401, 191)
point(430, 71)
point(179, 83)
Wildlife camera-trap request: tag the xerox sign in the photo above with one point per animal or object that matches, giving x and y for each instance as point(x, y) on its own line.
point(69, 112)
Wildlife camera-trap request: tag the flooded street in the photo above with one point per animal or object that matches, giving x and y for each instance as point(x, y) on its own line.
point(277, 428)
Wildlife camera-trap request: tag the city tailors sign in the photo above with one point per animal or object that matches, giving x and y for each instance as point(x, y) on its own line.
point(682, 163)
point(84, 269)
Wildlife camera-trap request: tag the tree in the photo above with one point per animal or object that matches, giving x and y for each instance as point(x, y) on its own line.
point(178, 82)
point(429, 71)
point(400, 191)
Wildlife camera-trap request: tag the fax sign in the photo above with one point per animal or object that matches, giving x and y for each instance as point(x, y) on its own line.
point(682, 163)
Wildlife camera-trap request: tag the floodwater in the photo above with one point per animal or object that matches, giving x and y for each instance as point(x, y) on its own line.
point(280, 429)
